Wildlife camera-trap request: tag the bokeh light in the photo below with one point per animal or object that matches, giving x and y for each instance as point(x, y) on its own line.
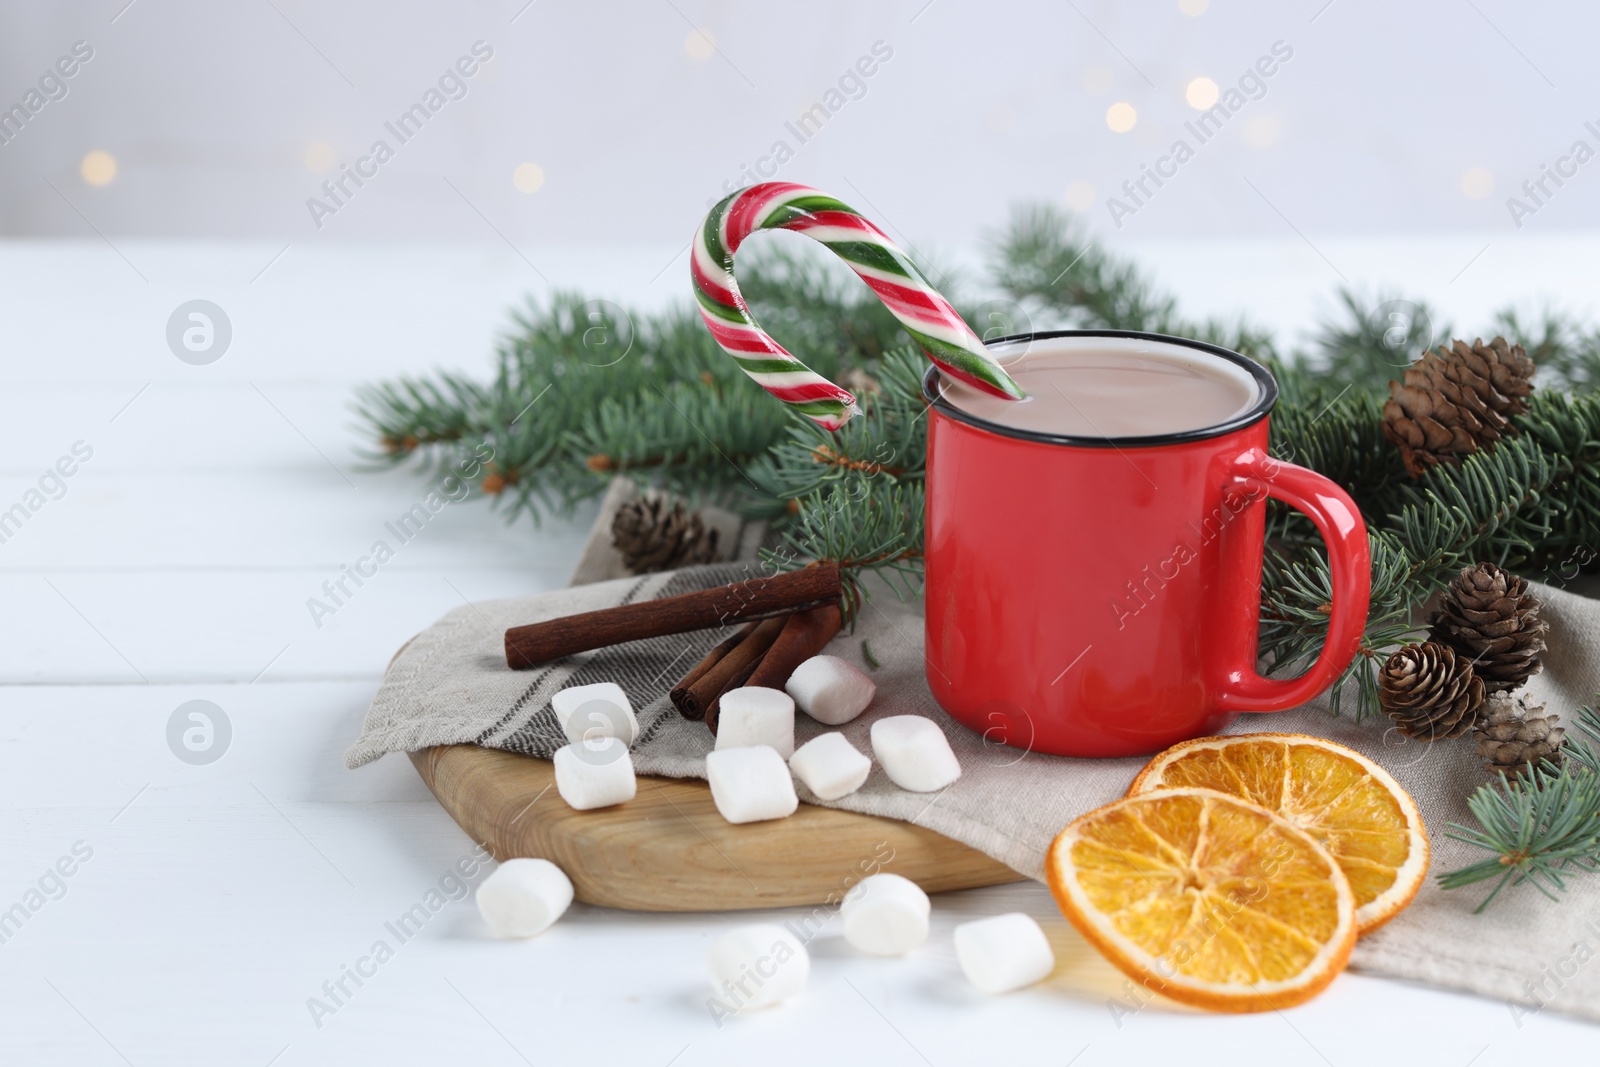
point(1121, 117)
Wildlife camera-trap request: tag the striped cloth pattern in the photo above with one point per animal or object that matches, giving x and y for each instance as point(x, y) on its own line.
point(926, 315)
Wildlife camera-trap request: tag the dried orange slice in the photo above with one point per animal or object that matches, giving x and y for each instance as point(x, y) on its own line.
point(1338, 796)
point(1206, 898)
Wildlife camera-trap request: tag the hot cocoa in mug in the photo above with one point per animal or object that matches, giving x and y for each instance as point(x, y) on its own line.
point(1094, 551)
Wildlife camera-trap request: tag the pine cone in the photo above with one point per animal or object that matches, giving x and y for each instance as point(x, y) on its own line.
point(1515, 735)
point(1457, 400)
point(653, 537)
point(1430, 692)
point(1489, 617)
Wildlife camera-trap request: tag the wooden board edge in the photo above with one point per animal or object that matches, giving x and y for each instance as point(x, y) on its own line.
point(669, 850)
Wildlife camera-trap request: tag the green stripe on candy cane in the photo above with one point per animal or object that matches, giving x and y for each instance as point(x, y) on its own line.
point(762, 365)
point(926, 315)
point(947, 354)
point(874, 256)
point(814, 408)
point(710, 306)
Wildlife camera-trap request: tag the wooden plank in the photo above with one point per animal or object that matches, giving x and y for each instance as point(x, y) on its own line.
point(669, 850)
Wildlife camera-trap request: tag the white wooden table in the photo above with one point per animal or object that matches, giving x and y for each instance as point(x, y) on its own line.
point(217, 899)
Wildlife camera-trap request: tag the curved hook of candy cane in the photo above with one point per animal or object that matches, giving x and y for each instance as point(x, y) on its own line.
point(943, 335)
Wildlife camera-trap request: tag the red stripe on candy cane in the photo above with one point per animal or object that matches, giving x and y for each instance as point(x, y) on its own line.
point(800, 394)
point(945, 324)
point(743, 338)
point(841, 219)
point(754, 204)
point(904, 296)
point(961, 375)
point(713, 285)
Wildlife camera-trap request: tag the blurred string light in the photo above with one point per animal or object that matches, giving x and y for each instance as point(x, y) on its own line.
point(1080, 196)
point(1121, 117)
point(699, 45)
point(319, 157)
point(1193, 8)
point(1476, 183)
point(98, 167)
point(1201, 93)
point(528, 177)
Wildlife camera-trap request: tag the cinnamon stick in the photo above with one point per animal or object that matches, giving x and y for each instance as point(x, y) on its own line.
point(804, 635)
point(712, 658)
point(698, 696)
point(760, 597)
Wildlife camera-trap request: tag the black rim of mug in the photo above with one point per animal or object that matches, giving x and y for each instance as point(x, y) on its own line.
point(1263, 406)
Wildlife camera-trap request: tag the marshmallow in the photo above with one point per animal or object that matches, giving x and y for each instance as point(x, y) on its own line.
point(830, 766)
point(750, 784)
point(1004, 952)
point(753, 966)
point(595, 773)
point(755, 715)
point(914, 753)
point(830, 690)
point(523, 897)
point(886, 915)
point(599, 710)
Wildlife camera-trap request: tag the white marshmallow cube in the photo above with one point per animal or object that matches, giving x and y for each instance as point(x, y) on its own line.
point(886, 915)
point(750, 784)
point(599, 710)
point(523, 897)
point(595, 773)
point(830, 690)
point(756, 715)
point(1004, 952)
point(914, 753)
point(830, 766)
point(753, 966)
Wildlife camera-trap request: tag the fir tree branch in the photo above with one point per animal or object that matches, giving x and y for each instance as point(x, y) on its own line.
point(1525, 503)
point(1370, 342)
point(1337, 431)
point(1567, 355)
point(859, 521)
point(1044, 260)
point(408, 415)
point(887, 439)
point(1540, 830)
point(803, 296)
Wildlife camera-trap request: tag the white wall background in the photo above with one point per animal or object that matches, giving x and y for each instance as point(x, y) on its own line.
point(223, 117)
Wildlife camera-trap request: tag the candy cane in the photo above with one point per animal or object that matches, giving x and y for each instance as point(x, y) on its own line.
point(926, 315)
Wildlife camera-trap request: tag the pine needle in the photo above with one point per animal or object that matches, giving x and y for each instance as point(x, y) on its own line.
point(1541, 829)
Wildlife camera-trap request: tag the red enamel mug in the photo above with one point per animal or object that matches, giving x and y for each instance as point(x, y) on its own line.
point(1091, 596)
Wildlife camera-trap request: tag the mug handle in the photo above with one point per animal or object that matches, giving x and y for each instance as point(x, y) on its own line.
point(1350, 560)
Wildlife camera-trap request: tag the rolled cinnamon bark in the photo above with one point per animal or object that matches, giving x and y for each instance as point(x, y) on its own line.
point(760, 597)
point(696, 698)
point(804, 635)
point(712, 658)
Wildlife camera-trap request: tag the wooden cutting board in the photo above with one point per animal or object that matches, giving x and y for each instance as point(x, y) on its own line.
point(669, 850)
